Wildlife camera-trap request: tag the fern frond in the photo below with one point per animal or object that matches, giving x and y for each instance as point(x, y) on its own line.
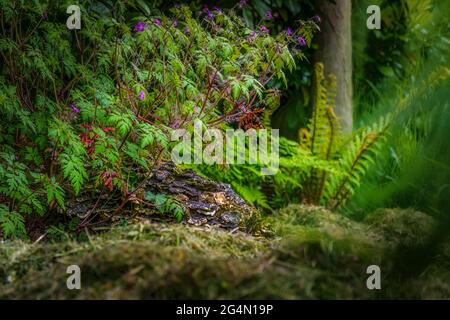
point(322, 138)
point(272, 103)
point(253, 196)
point(355, 163)
point(74, 170)
point(12, 223)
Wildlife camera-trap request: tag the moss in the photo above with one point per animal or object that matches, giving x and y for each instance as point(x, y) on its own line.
point(312, 254)
point(404, 227)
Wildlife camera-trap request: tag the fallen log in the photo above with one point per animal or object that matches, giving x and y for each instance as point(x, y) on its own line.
point(205, 202)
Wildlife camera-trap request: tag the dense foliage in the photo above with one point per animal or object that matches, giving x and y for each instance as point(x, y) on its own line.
point(91, 111)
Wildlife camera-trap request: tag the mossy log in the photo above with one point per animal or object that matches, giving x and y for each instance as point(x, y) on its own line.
point(205, 202)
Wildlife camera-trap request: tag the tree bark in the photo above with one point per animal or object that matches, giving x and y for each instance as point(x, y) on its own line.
point(335, 52)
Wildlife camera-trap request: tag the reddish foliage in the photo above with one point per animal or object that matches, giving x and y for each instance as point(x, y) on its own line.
point(108, 129)
point(107, 178)
point(88, 139)
point(249, 118)
point(87, 126)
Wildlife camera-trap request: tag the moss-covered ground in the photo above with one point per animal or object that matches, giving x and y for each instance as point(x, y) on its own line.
point(309, 253)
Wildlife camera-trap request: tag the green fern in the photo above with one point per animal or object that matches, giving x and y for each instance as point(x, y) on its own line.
point(55, 193)
point(122, 122)
point(12, 223)
point(322, 136)
point(355, 162)
point(350, 157)
point(272, 103)
point(73, 170)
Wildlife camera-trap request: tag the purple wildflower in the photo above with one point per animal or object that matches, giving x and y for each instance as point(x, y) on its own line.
point(252, 36)
point(157, 21)
point(187, 30)
point(44, 16)
point(243, 3)
point(301, 41)
point(264, 29)
point(217, 9)
point(269, 15)
point(289, 32)
point(175, 23)
point(74, 108)
point(140, 26)
point(209, 13)
point(317, 19)
point(232, 118)
point(142, 95)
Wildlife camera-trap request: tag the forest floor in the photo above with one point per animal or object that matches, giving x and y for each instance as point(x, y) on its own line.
point(309, 253)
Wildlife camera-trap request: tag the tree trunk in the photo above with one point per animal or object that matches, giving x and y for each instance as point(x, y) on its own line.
point(335, 52)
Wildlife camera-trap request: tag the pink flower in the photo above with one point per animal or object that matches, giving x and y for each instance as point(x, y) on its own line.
point(142, 95)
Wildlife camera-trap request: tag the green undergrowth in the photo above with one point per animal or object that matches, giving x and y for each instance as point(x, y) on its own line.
point(311, 253)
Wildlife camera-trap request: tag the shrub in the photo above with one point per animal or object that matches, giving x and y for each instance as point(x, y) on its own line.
point(90, 111)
